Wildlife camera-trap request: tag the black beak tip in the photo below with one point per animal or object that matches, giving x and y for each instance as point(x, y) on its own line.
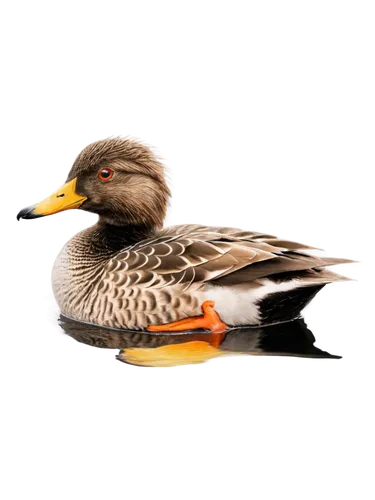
point(27, 213)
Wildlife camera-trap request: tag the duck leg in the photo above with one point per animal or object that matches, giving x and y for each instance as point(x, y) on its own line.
point(209, 321)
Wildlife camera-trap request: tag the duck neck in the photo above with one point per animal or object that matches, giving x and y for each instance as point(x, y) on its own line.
point(103, 239)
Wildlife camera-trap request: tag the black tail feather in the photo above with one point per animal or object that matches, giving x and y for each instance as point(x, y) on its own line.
point(285, 306)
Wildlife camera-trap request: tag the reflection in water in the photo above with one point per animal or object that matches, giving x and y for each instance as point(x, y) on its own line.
point(146, 349)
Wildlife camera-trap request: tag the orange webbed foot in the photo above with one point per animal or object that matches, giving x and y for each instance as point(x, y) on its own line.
point(209, 321)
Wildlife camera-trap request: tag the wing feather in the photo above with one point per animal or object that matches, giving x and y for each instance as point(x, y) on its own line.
point(193, 254)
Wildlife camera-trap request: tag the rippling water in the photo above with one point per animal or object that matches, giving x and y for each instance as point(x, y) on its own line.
point(145, 349)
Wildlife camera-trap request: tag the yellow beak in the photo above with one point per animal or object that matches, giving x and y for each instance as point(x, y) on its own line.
point(62, 199)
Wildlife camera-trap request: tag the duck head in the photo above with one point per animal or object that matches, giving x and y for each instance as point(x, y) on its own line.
point(119, 179)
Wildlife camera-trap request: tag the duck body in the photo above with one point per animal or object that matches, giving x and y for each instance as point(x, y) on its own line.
point(128, 272)
point(168, 276)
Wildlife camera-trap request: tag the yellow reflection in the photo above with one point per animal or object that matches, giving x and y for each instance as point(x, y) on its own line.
point(186, 353)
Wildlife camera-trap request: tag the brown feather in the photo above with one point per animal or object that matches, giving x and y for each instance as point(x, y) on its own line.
point(200, 253)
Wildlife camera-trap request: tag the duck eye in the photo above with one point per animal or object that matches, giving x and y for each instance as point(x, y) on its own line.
point(105, 174)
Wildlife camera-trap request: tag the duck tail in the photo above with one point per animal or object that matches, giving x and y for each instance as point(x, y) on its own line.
point(288, 303)
point(286, 306)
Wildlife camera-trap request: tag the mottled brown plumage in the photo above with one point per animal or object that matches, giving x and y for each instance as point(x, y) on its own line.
point(128, 272)
point(160, 279)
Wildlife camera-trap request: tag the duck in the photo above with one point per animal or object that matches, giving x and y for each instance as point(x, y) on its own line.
point(129, 272)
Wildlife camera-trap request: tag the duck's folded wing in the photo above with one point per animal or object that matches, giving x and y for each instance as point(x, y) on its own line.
point(183, 260)
point(307, 269)
point(192, 254)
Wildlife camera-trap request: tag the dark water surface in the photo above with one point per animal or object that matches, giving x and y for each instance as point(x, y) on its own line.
point(145, 349)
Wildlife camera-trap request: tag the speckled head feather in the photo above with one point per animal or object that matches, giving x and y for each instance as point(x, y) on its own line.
point(138, 193)
point(103, 152)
